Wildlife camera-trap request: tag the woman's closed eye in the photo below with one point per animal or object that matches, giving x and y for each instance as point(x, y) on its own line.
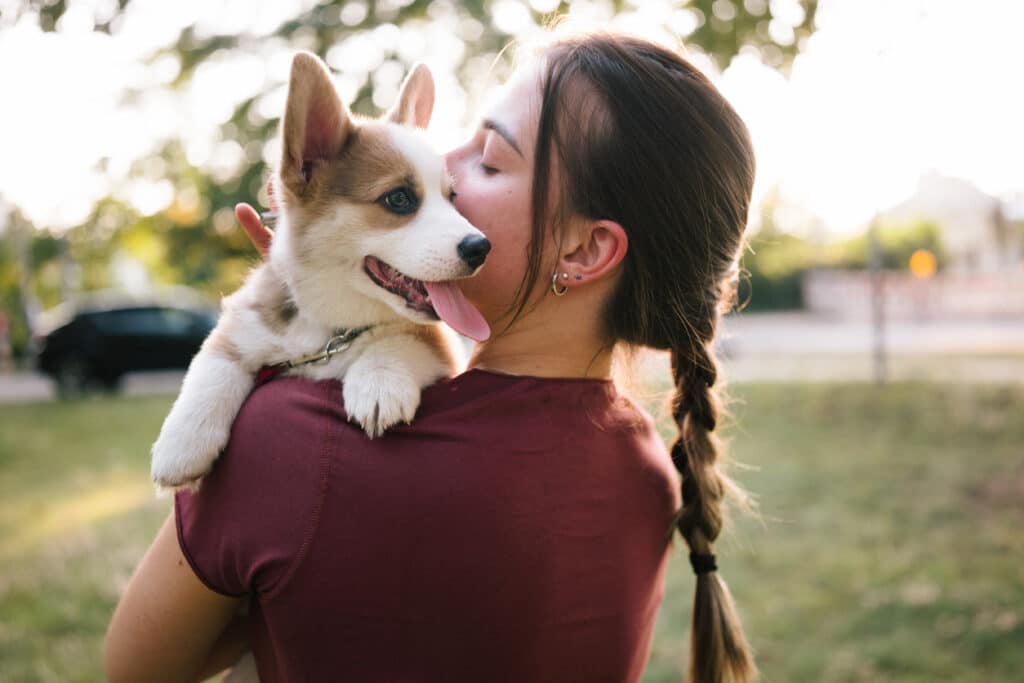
point(492, 155)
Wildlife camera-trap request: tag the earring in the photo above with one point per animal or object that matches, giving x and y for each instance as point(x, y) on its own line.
point(554, 284)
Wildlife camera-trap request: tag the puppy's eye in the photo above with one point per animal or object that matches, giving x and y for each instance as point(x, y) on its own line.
point(399, 200)
point(452, 195)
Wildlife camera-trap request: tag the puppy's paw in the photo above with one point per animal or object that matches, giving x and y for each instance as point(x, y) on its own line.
point(377, 402)
point(184, 453)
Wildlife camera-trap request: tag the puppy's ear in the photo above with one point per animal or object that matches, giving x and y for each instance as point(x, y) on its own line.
point(316, 122)
point(415, 100)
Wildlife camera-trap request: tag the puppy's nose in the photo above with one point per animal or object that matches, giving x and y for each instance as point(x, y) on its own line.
point(473, 250)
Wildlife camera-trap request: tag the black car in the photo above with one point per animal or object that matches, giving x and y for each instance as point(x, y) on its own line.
point(93, 346)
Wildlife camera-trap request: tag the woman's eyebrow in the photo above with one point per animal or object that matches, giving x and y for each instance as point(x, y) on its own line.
point(491, 124)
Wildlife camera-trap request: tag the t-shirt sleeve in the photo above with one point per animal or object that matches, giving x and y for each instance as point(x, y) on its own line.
point(245, 529)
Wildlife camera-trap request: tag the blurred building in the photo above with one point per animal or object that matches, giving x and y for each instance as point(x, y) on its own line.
point(977, 229)
point(984, 276)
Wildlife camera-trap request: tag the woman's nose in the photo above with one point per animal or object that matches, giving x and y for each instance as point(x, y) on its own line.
point(451, 159)
point(456, 155)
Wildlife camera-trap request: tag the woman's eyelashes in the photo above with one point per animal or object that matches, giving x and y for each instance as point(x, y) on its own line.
point(490, 155)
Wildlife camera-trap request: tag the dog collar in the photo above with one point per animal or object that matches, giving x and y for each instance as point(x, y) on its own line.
point(339, 341)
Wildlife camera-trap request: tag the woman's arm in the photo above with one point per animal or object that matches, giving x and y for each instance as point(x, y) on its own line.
point(168, 622)
point(169, 626)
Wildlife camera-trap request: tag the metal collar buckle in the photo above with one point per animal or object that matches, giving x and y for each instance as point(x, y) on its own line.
point(341, 340)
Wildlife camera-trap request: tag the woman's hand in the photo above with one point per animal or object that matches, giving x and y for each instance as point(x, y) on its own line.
point(254, 228)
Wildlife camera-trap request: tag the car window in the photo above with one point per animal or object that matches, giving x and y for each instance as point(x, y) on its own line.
point(134, 321)
point(177, 321)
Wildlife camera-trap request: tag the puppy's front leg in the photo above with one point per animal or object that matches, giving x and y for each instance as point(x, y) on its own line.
point(199, 424)
point(383, 385)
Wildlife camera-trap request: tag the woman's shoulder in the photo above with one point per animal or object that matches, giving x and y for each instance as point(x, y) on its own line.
point(478, 390)
point(286, 401)
point(279, 436)
point(244, 528)
point(289, 426)
point(576, 420)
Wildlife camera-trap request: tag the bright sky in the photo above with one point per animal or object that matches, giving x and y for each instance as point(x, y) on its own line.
point(885, 91)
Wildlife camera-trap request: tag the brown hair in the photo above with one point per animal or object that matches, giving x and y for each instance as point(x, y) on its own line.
point(643, 138)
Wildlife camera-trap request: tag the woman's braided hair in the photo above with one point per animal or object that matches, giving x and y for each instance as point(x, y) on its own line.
point(644, 139)
point(716, 625)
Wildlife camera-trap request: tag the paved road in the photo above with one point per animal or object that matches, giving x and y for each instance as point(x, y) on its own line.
point(771, 347)
point(798, 333)
point(801, 347)
point(28, 386)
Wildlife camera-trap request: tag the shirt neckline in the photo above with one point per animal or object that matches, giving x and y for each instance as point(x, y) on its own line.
point(537, 378)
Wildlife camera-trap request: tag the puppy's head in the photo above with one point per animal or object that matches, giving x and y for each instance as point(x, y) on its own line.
point(368, 228)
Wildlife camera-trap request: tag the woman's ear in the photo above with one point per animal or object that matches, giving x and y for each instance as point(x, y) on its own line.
point(598, 251)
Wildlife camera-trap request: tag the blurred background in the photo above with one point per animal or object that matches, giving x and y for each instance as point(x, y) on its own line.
point(876, 366)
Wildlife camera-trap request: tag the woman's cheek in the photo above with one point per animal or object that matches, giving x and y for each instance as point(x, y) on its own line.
point(493, 288)
point(490, 281)
point(497, 207)
point(469, 202)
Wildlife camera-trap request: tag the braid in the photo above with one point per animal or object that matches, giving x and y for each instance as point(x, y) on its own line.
point(718, 649)
point(695, 411)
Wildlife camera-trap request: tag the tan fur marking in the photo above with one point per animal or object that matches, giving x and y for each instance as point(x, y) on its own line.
point(432, 336)
point(368, 166)
point(447, 185)
point(272, 301)
point(219, 343)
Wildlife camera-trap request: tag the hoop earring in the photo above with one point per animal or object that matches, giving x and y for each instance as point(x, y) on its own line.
point(554, 285)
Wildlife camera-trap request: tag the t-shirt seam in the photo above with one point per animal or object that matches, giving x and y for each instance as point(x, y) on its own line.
point(314, 523)
point(178, 525)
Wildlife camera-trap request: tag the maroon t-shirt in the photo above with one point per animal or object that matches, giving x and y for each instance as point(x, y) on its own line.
point(516, 531)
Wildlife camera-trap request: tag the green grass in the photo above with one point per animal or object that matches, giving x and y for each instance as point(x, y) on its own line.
point(889, 548)
point(890, 545)
point(76, 512)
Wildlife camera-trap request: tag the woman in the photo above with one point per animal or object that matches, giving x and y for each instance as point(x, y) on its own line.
point(519, 528)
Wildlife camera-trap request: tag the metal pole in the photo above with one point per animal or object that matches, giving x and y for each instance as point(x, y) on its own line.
point(877, 306)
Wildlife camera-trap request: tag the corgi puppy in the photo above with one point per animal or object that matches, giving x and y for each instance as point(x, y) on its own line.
point(366, 249)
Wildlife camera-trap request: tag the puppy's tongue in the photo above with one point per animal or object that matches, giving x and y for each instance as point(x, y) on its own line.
point(453, 308)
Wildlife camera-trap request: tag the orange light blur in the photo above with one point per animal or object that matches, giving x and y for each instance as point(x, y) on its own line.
point(923, 264)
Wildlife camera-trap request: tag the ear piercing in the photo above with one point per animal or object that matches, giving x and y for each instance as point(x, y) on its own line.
point(554, 284)
point(564, 289)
